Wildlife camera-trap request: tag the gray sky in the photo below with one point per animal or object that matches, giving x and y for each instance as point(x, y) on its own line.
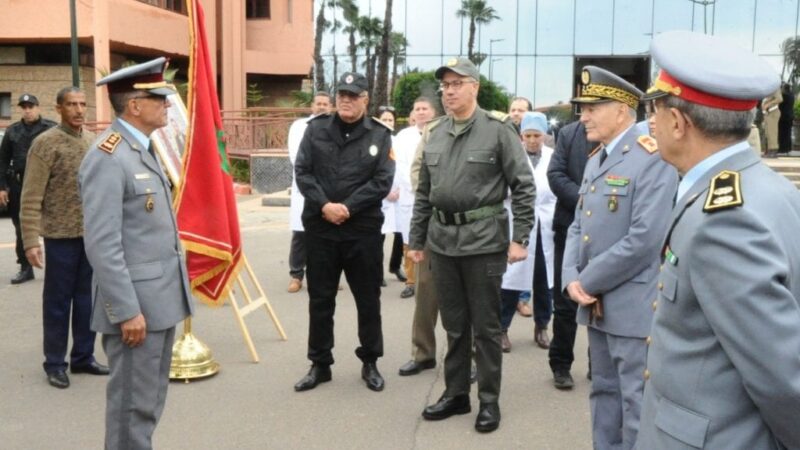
point(535, 40)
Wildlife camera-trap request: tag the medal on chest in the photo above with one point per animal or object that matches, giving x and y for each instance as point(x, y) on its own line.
point(150, 203)
point(612, 203)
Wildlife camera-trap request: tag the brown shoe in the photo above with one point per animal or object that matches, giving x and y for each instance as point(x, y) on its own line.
point(540, 336)
point(505, 343)
point(524, 309)
point(294, 285)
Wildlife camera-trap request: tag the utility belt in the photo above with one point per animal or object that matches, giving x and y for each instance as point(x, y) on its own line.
point(465, 217)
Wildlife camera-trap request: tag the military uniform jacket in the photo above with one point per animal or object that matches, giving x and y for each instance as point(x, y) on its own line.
point(16, 143)
point(131, 236)
point(613, 243)
point(469, 170)
point(724, 354)
point(356, 170)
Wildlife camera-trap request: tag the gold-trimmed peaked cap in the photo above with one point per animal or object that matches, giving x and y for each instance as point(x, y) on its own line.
point(599, 85)
point(147, 76)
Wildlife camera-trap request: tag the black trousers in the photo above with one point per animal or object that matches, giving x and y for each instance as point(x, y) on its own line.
point(396, 257)
point(564, 311)
point(297, 255)
point(14, 195)
point(361, 260)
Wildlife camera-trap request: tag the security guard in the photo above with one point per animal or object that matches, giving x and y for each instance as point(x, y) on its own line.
point(13, 154)
point(140, 285)
point(611, 257)
point(471, 160)
point(344, 168)
point(723, 364)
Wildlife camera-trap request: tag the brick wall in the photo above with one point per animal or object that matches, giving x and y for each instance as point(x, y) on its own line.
point(44, 82)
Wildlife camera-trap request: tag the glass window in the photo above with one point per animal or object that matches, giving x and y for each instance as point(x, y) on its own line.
point(524, 83)
point(527, 35)
point(632, 26)
point(553, 80)
point(554, 27)
point(735, 24)
point(5, 105)
point(673, 15)
point(775, 21)
point(593, 25)
point(257, 9)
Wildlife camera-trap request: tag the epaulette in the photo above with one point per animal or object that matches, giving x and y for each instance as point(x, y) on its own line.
point(110, 143)
point(376, 120)
point(648, 143)
point(499, 116)
point(595, 150)
point(724, 192)
point(433, 123)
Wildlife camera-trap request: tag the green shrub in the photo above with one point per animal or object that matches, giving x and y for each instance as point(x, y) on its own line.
point(240, 170)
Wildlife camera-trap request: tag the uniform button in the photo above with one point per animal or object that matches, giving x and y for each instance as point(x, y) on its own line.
point(585, 238)
point(660, 268)
point(655, 304)
point(660, 286)
point(614, 191)
point(591, 188)
point(649, 340)
point(588, 213)
point(646, 374)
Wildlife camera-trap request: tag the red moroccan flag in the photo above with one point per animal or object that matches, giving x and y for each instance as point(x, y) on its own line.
point(208, 223)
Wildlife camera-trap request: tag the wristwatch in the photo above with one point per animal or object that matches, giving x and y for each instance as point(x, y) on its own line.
point(524, 242)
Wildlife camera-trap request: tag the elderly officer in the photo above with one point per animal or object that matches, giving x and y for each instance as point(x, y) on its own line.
point(140, 286)
point(611, 257)
point(13, 154)
point(723, 364)
point(471, 159)
point(344, 168)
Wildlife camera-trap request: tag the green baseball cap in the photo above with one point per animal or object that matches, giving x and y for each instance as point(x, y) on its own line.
point(461, 66)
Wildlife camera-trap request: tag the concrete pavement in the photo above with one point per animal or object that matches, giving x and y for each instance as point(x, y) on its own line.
point(253, 406)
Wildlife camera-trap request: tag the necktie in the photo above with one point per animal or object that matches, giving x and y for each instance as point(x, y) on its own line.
point(603, 155)
point(151, 150)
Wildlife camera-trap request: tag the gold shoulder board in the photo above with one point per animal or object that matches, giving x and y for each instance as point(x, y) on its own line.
point(110, 143)
point(499, 116)
point(595, 150)
point(724, 192)
point(648, 143)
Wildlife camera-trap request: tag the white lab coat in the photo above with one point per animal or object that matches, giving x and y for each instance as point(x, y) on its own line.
point(296, 200)
point(405, 148)
point(389, 209)
point(519, 276)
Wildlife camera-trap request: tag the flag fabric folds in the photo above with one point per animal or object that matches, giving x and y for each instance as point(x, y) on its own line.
point(208, 222)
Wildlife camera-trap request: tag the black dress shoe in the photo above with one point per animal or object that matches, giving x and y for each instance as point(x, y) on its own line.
point(25, 274)
point(413, 367)
point(93, 368)
point(446, 407)
point(316, 375)
point(58, 379)
point(563, 380)
point(373, 378)
point(407, 292)
point(488, 417)
point(400, 274)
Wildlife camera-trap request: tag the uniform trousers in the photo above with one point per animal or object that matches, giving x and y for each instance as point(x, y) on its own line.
point(469, 302)
point(297, 255)
point(361, 260)
point(67, 288)
point(564, 312)
point(618, 365)
point(14, 196)
point(137, 388)
point(426, 311)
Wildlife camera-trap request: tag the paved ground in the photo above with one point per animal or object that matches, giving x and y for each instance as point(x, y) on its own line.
point(253, 406)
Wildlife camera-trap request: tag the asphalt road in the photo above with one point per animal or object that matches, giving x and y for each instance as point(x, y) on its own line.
point(253, 406)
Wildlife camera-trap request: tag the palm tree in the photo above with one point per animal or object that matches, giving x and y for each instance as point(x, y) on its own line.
point(397, 49)
point(478, 13)
point(350, 14)
point(319, 61)
point(791, 60)
point(370, 29)
point(382, 53)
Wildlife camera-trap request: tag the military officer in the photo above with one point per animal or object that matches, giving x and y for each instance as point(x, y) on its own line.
point(611, 256)
point(140, 286)
point(722, 366)
point(471, 159)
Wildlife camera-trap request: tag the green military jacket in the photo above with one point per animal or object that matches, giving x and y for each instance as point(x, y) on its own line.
point(468, 170)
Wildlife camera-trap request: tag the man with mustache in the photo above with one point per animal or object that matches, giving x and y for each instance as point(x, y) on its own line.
point(51, 208)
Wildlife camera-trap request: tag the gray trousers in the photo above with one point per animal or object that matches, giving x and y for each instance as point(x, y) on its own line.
point(137, 388)
point(618, 365)
point(297, 255)
point(426, 311)
point(469, 302)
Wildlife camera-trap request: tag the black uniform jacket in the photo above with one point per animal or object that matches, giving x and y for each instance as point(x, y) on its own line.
point(566, 170)
point(16, 143)
point(356, 170)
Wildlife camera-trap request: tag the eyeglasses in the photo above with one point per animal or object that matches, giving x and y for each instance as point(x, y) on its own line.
point(650, 108)
point(386, 108)
point(346, 95)
point(455, 84)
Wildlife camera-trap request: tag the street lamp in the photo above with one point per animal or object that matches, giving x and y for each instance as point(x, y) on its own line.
point(491, 43)
point(491, 66)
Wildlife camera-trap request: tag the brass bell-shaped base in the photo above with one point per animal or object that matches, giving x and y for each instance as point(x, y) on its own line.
point(191, 358)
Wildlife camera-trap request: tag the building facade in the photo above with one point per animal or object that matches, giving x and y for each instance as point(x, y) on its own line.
point(263, 42)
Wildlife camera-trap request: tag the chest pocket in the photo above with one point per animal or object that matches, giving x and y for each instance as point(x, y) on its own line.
point(481, 157)
point(148, 186)
point(621, 191)
point(432, 158)
point(668, 285)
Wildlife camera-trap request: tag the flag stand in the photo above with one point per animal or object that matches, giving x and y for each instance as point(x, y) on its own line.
point(251, 305)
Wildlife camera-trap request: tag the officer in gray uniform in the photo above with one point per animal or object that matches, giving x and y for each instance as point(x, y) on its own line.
point(611, 257)
point(470, 161)
point(140, 286)
point(723, 364)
